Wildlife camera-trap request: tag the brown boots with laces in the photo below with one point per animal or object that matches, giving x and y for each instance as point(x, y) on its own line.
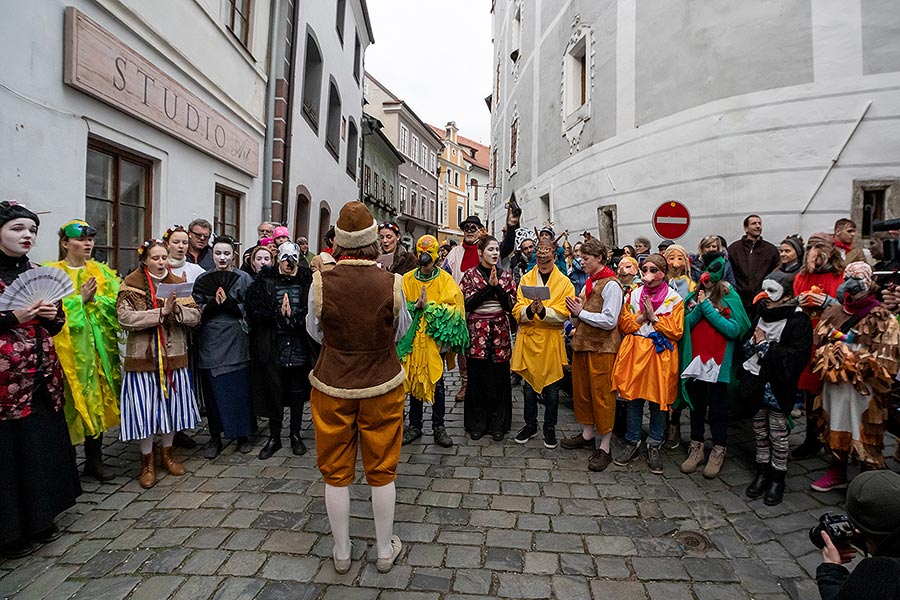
point(148, 466)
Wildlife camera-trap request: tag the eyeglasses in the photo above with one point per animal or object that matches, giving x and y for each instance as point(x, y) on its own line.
point(78, 230)
point(199, 236)
point(470, 228)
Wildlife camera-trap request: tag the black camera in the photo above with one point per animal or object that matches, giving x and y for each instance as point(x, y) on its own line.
point(838, 527)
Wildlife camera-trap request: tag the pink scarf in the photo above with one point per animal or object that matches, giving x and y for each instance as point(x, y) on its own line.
point(656, 295)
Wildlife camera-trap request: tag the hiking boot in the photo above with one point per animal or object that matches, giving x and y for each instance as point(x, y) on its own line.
point(599, 461)
point(760, 483)
point(775, 492)
point(694, 459)
point(673, 436)
point(171, 465)
point(148, 471)
point(576, 442)
point(550, 438)
point(715, 462)
point(653, 460)
point(93, 460)
point(411, 434)
point(442, 438)
point(525, 434)
point(629, 453)
point(835, 478)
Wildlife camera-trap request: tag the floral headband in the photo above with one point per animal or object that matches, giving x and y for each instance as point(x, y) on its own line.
point(392, 226)
point(149, 244)
point(171, 230)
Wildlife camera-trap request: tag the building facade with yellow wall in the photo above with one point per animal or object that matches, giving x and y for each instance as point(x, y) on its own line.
point(452, 190)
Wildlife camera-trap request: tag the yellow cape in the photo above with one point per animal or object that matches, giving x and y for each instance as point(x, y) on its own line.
point(424, 365)
point(540, 351)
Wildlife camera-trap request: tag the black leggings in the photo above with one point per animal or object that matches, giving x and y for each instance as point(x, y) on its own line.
point(296, 389)
point(714, 398)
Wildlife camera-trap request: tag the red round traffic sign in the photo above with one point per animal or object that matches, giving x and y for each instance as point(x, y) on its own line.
point(671, 220)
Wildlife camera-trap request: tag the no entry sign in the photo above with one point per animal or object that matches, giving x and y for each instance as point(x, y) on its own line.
point(671, 220)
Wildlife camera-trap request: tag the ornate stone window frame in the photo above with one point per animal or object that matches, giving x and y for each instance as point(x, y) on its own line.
point(515, 141)
point(581, 44)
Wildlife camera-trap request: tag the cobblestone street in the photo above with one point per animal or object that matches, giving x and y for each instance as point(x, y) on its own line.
point(478, 520)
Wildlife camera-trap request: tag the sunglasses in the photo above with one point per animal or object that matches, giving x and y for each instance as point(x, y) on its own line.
point(470, 228)
point(649, 269)
point(199, 236)
point(78, 230)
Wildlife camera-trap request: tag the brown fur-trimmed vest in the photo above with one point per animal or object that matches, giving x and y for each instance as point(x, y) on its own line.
point(588, 338)
point(356, 303)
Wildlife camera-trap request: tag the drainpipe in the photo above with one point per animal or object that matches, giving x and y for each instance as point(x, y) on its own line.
point(270, 111)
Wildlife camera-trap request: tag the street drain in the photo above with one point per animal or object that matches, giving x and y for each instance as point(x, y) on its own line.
point(692, 541)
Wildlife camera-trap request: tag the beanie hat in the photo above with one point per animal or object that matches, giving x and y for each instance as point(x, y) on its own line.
point(820, 238)
point(797, 244)
point(281, 231)
point(873, 503)
point(10, 210)
point(355, 227)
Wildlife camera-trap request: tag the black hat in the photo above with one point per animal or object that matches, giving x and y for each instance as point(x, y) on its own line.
point(665, 244)
point(873, 503)
point(473, 220)
point(10, 209)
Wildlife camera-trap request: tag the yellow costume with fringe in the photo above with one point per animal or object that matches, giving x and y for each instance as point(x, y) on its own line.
point(540, 350)
point(88, 352)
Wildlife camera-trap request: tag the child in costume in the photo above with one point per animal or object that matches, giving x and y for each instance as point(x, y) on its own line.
point(857, 356)
point(646, 368)
point(539, 353)
point(715, 321)
point(439, 325)
point(88, 346)
point(776, 353)
point(679, 276)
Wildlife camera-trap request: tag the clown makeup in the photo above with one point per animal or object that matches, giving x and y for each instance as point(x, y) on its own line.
point(651, 275)
point(17, 236)
point(178, 245)
point(223, 256)
point(263, 258)
point(490, 256)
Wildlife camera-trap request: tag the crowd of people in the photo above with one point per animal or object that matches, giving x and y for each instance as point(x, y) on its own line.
point(200, 327)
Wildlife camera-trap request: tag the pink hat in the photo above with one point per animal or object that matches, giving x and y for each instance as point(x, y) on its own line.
point(281, 231)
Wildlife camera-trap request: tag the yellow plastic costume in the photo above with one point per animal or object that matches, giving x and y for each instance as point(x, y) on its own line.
point(645, 367)
point(440, 325)
point(88, 351)
point(540, 351)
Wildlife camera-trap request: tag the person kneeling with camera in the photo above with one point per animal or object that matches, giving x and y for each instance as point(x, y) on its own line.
point(872, 525)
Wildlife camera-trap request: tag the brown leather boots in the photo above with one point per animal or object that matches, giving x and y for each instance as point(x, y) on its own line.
point(148, 467)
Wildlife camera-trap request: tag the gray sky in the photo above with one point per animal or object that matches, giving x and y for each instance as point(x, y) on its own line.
point(436, 56)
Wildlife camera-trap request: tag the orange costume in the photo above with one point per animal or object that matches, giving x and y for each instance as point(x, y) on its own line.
point(641, 371)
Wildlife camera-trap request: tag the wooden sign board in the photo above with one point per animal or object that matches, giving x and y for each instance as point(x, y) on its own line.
point(100, 65)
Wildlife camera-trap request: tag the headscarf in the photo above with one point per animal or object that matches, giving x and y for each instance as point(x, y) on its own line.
point(10, 209)
point(860, 270)
point(428, 244)
point(797, 244)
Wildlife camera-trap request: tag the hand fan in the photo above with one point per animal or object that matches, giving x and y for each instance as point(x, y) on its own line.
point(43, 283)
point(209, 282)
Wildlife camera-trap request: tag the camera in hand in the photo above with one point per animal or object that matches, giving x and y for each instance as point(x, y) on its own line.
point(838, 527)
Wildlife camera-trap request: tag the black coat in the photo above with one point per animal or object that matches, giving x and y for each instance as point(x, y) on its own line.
point(874, 577)
point(277, 341)
point(782, 364)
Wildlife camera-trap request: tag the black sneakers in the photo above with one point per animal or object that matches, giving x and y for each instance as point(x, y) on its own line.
point(550, 438)
point(628, 453)
point(525, 434)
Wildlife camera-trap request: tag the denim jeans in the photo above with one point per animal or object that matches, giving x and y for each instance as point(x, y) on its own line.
point(551, 404)
point(636, 418)
point(437, 409)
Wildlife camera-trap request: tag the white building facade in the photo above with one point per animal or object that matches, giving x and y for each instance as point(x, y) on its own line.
point(116, 112)
point(602, 110)
point(324, 121)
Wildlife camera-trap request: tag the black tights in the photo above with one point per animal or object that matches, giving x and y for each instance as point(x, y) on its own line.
point(295, 387)
point(711, 397)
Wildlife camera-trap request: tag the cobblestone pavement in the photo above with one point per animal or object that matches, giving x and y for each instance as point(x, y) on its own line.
point(478, 520)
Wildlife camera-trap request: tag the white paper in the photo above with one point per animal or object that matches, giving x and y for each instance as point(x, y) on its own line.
point(182, 290)
point(536, 292)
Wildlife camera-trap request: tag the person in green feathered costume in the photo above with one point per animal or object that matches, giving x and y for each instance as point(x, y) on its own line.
point(439, 327)
point(88, 346)
point(715, 321)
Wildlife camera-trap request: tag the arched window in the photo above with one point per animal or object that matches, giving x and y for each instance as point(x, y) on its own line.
point(324, 223)
point(301, 219)
point(474, 184)
point(352, 149)
point(312, 82)
point(333, 127)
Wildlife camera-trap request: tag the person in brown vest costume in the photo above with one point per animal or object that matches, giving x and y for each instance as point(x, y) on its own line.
point(357, 311)
point(595, 314)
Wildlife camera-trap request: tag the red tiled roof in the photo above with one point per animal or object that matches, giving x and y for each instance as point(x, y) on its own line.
point(481, 154)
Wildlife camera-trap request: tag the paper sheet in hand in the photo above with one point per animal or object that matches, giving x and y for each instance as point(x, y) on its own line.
point(182, 290)
point(536, 292)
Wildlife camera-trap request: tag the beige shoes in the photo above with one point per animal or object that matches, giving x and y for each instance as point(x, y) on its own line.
point(342, 566)
point(715, 462)
point(694, 459)
point(384, 564)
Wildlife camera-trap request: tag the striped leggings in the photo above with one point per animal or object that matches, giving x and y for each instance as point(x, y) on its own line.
point(770, 428)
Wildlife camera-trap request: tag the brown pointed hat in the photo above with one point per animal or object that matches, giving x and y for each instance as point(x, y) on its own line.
point(355, 226)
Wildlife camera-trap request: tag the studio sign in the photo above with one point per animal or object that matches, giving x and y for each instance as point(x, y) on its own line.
point(99, 64)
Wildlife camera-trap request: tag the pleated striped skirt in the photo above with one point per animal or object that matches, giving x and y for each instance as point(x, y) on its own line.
point(146, 411)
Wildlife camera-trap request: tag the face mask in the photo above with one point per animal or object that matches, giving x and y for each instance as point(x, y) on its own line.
point(425, 259)
point(676, 263)
point(770, 289)
point(852, 289)
point(652, 276)
point(576, 262)
point(714, 271)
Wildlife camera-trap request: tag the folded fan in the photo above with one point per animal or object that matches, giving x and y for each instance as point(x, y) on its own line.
point(209, 282)
point(48, 284)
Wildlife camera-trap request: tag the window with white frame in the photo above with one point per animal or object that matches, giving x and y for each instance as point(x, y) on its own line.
point(402, 198)
point(412, 203)
point(433, 162)
point(424, 156)
point(404, 140)
point(415, 149)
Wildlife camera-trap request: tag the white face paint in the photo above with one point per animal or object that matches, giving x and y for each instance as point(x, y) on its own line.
point(773, 290)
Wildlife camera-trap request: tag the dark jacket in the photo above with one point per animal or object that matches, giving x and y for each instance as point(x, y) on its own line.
point(751, 262)
point(205, 259)
point(404, 261)
point(782, 363)
point(874, 578)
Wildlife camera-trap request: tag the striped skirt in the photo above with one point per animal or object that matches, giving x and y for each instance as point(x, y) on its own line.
point(145, 411)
